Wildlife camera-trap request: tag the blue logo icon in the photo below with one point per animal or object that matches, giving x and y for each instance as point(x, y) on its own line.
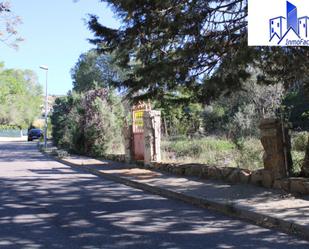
point(289, 30)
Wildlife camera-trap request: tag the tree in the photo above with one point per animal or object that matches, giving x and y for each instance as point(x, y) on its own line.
point(94, 71)
point(297, 107)
point(88, 123)
point(238, 114)
point(179, 117)
point(200, 45)
point(197, 44)
point(8, 23)
point(20, 97)
point(172, 43)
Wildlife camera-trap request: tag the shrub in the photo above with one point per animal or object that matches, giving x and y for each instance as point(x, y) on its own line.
point(250, 154)
point(101, 130)
point(298, 160)
point(88, 123)
point(214, 151)
point(299, 141)
point(195, 147)
point(204, 149)
point(241, 111)
point(183, 148)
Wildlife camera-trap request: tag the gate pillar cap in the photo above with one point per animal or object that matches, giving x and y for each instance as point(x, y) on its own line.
point(268, 123)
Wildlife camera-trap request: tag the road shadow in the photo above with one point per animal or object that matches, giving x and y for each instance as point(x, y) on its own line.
point(60, 207)
point(20, 152)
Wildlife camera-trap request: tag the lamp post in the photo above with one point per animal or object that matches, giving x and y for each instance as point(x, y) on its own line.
point(45, 129)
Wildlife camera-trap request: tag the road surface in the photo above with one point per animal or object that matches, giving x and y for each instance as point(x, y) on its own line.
point(45, 204)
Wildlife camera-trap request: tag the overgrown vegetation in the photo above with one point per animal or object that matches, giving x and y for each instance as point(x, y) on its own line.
point(213, 151)
point(299, 142)
point(221, 152)
point(188, 53)
point(90, 119)
point(233, 119)
point(211, 88)
point(239, 113)
point(88, 123)
point(225, 131)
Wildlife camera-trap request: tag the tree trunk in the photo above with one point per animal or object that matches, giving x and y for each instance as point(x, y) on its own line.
point(305, 168)
point(165, 126)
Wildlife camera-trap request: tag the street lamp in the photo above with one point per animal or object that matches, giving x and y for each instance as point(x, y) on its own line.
point(45, 129)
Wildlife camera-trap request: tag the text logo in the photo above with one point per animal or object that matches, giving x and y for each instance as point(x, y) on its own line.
point(289, 28)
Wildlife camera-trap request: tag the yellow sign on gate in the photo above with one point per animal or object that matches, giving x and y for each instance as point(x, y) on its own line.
point(138, 118)
point(138, 114)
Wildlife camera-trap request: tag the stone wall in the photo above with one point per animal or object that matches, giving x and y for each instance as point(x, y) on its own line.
point(277, 159)
point(262, 177)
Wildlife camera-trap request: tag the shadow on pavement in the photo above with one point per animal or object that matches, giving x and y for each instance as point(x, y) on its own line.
point(86, 213)
point(20, 151)
point(49, 205)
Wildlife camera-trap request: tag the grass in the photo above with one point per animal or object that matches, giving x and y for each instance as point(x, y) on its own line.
point(213, 151)
point(298, 159)
point(222, 152)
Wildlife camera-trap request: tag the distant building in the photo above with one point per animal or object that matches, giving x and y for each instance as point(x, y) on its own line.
point(303, 27)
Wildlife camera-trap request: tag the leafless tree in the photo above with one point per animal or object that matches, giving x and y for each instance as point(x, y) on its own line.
point(8, 26)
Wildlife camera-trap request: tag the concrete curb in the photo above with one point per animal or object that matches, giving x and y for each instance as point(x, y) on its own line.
point(225, 208)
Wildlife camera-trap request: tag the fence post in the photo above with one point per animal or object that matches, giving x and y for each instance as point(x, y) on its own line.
point(152, 136)
point(277, 145)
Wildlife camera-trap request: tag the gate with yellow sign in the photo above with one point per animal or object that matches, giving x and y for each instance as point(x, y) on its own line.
point(138, 130)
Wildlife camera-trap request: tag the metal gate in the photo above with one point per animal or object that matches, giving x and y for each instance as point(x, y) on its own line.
point(138, 130)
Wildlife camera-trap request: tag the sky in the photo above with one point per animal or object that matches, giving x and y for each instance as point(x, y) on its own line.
point(55, 35)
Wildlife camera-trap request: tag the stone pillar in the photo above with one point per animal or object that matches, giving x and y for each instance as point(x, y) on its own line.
point(127, 136)
point(152, 136)
point(277, 145)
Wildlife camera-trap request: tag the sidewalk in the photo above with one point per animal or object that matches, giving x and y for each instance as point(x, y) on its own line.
point(265, 207)
point(13, 139)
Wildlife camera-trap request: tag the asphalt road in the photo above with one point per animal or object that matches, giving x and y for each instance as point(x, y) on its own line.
point(45, 204)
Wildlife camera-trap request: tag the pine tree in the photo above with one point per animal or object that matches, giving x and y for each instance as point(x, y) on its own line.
point(200, 45)
point(172, 43)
